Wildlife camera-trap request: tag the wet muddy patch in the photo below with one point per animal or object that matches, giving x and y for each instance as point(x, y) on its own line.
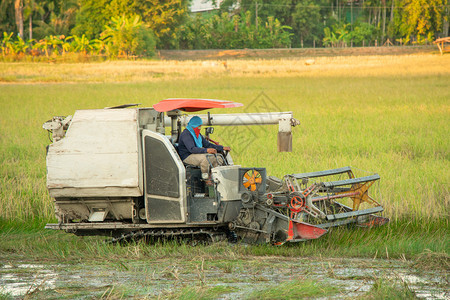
point(224, 279)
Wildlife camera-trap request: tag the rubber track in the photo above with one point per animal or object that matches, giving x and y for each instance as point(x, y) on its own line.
point(215, 236)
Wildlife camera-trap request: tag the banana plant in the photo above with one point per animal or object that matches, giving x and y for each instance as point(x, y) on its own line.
point(84, 45)
point(7, 44)
point(330, 38)
point(66, 45)
point(21, 46)
point(339, 37)
point(55, 43)
point(43, 45)
point(122, 36)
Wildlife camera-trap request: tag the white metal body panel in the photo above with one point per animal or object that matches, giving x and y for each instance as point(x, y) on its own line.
point(99, 156)
point(227, 178)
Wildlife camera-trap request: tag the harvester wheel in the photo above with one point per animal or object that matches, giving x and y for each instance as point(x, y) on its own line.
point(142, 214)
point(254, 225)
point(297, 202)
point(246, 197)
point(232, 225)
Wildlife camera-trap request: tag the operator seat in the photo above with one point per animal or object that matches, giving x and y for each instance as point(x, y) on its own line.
point(175, 145)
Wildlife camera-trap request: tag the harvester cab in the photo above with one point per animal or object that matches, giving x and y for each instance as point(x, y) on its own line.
point(115, 172)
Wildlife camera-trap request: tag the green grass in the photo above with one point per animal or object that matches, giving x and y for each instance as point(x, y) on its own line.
point(425, 245)
point(199, 293)
point(5, 296)
point(387, 289)
point(397, 127)
point(296, 289)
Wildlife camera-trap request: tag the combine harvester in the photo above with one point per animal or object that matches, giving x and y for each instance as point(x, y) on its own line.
point(114, 172)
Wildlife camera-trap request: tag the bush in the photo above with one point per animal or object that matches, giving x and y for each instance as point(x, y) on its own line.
point(362, 32)
point(341, 35)
point(237, 32)
point(127, 37)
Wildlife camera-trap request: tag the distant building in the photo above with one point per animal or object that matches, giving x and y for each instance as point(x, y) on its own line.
point(200, 6)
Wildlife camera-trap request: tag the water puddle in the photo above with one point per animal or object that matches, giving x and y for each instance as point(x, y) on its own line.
point(353, 277)
point(22, 279)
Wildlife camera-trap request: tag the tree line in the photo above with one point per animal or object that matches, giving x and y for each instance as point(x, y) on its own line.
point(126, 27)
point(337, 23)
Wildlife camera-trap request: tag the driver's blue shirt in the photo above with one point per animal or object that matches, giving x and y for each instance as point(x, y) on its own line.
point(186, 145)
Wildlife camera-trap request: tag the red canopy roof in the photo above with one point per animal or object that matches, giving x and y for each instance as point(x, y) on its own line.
point(191, 105)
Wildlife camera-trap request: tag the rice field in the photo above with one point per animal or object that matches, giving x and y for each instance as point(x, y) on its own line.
point(167, 70)
point(383, 114)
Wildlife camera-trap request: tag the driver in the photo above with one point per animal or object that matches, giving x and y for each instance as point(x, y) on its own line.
point(193, 147)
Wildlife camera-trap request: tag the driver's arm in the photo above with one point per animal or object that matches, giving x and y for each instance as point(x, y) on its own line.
point(207, 144)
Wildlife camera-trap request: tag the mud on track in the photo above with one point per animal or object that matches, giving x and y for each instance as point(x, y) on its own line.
point(238, 278)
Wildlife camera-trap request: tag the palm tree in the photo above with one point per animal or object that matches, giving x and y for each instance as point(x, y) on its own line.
point(18, 8)
point(31, 6)
point(7, 9)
